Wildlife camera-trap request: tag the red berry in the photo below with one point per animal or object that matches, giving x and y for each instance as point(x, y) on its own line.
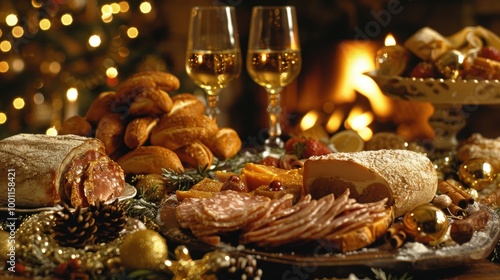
point(315, 148)
point(270, 161)
point(290, 144)
point(234, 183)
point(424, 70)
point(306, 147)
point(489, 52)
point(20, 268)
point(275, 186)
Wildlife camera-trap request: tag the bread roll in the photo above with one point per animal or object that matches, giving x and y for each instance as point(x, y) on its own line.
point(46, 170)
point(186, 104)
point(150, 101)
point(195, 155)
point(75, 125)
point(406, 178)
point(138, 131)
point(150, 160)
point(100, 106)
point(178, 131)
point(225, 144)
point(147, 92)
point(110, 131)
point(148, 79)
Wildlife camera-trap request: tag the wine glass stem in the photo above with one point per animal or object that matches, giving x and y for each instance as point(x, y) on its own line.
point(274, 112)
point(212, 105)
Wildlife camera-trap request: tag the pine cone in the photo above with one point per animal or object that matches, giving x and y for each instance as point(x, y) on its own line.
point(74, 229)
point(110, 220)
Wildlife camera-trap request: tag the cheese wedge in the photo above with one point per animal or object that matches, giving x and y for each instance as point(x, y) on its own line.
point(406, 178)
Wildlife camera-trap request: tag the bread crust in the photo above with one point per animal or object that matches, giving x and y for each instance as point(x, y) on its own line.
point(150, 160)
point(150, 101)
point(76, 125)
point(225, 144)
point(148, 79)
point(195, 155)
point(138, 131)
point(100, 106)
point(186, 104)
point(178, 131)
point(110, 131)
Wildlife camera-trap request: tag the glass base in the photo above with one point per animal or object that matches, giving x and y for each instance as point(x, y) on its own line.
point(273, 146)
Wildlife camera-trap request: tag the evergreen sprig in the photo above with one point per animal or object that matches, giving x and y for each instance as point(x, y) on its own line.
point(189, 177)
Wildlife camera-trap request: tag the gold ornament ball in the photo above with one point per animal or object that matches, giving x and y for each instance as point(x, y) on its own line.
point(426, 224)
point(143, 249)
point(153, 187)
point(450, 64)
point(477, 173)
point(4, 246)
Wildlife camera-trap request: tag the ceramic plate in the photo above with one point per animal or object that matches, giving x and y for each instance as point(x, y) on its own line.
point(412, 256)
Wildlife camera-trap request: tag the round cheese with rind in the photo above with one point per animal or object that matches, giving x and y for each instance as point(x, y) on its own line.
point(406, 178)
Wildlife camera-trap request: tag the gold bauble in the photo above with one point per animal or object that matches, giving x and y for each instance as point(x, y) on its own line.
point(153, 187)
point(426, 224)
point(4, 246)
point(450, 64)
point(476, 173)
point(143, 249)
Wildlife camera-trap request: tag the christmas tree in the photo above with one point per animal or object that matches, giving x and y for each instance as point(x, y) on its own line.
point(57, 55)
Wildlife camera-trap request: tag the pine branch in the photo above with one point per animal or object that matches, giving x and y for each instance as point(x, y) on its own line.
point(185, 180)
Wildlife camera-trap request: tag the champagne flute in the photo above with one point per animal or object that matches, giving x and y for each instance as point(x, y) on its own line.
point(213, 57)
point(273, 59)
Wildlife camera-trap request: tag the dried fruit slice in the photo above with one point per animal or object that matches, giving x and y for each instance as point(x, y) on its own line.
point(347, 141)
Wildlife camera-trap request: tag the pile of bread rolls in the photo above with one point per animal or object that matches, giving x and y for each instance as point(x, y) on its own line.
point(145, 129)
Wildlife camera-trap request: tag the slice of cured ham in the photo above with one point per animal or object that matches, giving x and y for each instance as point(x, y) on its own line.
point(46, 170)
point(340, 222)
point(225, 211)
point(405, 178)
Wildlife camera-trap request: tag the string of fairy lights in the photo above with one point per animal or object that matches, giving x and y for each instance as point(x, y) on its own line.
point(19, 27)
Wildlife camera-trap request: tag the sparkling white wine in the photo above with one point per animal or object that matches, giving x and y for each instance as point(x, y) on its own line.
point(273, 69)
point(211, 70)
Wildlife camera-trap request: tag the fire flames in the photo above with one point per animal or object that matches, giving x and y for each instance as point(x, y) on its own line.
point(354, 58)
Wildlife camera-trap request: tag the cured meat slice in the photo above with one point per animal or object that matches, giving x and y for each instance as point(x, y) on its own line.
point(322, 219)
point(103, 181)
point(272, 223)
point(225, 211)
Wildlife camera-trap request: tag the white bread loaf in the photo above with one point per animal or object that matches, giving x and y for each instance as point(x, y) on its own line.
point(406, 178)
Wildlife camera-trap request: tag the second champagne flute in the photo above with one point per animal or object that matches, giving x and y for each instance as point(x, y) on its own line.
point(273, 59)
point(213, 51)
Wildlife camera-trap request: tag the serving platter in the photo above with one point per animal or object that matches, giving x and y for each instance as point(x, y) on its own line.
point(453, 100)
point(317, 259)
point(439, 91)
point(128, 192)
